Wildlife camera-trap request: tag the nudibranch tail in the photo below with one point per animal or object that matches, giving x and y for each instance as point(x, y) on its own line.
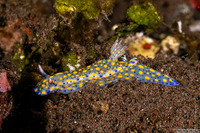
point(148, 75)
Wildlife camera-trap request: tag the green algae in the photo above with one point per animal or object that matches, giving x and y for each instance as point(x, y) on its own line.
point(127, 30)
point(92, 53)
point(145, 15)
point(24, 57)
point(19, 56)
point(91, 9)
point(70, 59)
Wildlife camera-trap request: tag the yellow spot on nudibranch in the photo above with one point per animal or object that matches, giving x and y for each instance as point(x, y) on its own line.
point(43, 85)
point(109, 71)
point(140, 72)
point(99, 61)
point(108, 60)
point(69, 74)
point(80, 85)
point(69, 88)
point(132, 70)
point(127, 78)
point(74, 85)
point(166, 76)
point(75, 72)
point(44, 81)
point(59, 83)
point(101, 71)
point(100, 81)
point(58, 73)
point(153, 75)
point(152, 70)
point(97, 68)
point(140, 66)
point(147, 78)
point(156, 80)
point(64, 76)
point(158, 74)
point(106, 75)
point(120, 76)
point(84, 71)
point(77, 75)
point(132, 75)
point(100, 84)
point(68, 80)
point(126, 69)
point(52, 88)
point(121, 70)
point(164, 80)
point(105, 66)
point(51, 77)
point(126, 74)
point(170, 80)
point(91, 69)
point(93, 73)
point(113, 63)
point(43, 92)
point(61, 78)
point(147, 73)
point(109, 82)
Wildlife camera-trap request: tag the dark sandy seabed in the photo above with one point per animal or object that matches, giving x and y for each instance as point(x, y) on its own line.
point(123, 107)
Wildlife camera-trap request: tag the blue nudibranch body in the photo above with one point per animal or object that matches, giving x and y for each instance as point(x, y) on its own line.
point(103, 72)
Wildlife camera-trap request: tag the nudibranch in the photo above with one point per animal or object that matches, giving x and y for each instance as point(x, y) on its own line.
point(103, 72)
